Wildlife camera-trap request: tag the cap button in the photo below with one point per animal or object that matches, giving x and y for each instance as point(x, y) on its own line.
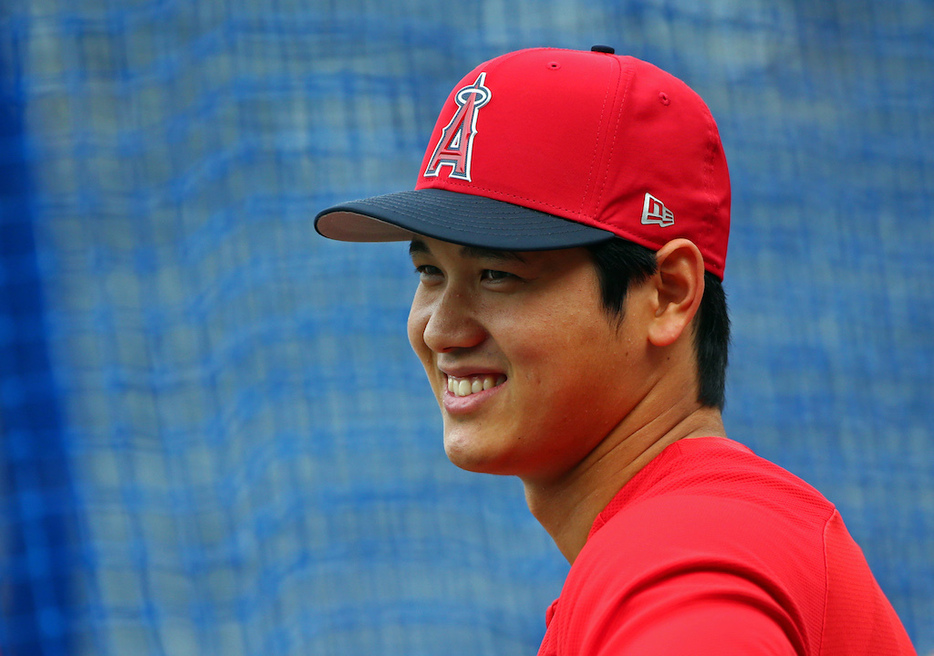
point(607, 49)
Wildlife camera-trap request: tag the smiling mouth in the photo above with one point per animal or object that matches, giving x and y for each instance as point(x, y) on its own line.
point(473, 384)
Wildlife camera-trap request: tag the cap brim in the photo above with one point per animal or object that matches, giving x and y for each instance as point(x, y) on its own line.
point(456, 218)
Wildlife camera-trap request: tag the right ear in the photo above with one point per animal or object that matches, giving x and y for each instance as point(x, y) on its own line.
point(678, 287)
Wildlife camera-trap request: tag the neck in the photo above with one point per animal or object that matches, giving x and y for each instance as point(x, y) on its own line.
point(567, 506)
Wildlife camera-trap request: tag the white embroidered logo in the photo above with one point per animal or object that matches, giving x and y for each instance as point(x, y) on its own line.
point(654, 212)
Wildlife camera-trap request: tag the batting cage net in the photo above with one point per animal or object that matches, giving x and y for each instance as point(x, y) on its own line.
point(215, 438)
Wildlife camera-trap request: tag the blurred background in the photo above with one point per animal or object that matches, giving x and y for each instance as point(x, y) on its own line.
point(215, 439)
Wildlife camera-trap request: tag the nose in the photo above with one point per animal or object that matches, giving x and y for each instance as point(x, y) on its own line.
point(445, 322)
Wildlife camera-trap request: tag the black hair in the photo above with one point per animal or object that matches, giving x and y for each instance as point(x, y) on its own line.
point(622, 263)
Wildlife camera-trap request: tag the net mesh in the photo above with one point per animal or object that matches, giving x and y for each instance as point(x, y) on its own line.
point(215, 437)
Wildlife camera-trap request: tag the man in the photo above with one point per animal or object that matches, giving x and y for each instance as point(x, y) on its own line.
point(569, 228)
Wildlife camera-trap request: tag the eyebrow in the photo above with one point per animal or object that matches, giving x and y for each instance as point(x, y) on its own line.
point(418, 246)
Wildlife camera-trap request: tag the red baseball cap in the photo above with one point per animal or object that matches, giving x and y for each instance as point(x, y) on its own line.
point(544, 149)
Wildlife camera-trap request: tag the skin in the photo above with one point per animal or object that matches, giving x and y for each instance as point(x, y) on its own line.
point(586, 401)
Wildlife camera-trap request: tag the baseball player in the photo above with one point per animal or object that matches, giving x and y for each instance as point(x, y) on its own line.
point(569, 228)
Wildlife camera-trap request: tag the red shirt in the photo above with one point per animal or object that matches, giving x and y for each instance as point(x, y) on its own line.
point(712, 550)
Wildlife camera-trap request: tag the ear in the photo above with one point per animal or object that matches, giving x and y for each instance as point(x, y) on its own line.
point(679, 287)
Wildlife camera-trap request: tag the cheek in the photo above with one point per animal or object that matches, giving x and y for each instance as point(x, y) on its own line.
point(580, 338)
point(415, 327)
point(573, 367)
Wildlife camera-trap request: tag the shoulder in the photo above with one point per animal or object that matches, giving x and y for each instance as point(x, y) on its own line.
point(761, 534)
point(714, 502)
point(705, 486)
point(711, 537)
point(710, 528)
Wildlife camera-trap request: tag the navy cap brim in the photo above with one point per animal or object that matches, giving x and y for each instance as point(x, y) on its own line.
point(453, 217)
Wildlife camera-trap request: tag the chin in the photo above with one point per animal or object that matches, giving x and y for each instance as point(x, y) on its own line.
point(470, 457)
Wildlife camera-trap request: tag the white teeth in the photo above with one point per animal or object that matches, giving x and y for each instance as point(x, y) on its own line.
point(473, 384)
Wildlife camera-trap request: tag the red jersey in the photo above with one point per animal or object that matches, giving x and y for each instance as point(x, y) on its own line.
point(710, 549)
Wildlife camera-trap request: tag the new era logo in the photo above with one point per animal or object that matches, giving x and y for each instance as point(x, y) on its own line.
point(654, 212)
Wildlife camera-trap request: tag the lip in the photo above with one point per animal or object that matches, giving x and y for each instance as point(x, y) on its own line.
point(465, 371)
point(464, 405)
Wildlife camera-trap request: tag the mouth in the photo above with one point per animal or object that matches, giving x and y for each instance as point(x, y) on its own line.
point(465, 386)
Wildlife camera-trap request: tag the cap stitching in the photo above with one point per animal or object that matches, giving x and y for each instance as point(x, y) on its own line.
point(708, 185)
point(508, 195)
point(482, 226)
point(587, 187)
point(612, 144)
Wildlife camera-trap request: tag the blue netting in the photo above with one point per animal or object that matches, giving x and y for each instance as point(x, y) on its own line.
point(215, 438)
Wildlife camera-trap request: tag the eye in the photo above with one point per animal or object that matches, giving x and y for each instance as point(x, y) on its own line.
point(494, 275)
point(428, 273)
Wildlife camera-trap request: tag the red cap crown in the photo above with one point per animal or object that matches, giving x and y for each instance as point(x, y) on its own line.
point(607, 141)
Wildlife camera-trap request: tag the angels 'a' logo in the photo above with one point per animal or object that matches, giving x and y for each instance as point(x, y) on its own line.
point(456, 143)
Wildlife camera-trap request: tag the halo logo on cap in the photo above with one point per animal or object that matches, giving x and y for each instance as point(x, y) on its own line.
point(455, 146)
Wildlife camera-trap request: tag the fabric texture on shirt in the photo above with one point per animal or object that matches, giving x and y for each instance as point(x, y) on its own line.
point(711, 549)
